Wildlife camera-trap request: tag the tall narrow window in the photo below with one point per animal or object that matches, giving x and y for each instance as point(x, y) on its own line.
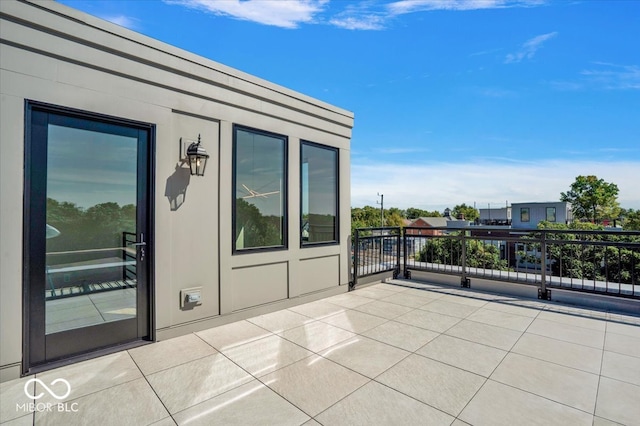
point(551, 214)
point(319, 194)
point(524, 214)
point(259, 186)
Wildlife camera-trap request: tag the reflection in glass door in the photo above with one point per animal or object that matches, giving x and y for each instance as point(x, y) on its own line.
point(91, 226)
point(86, 226)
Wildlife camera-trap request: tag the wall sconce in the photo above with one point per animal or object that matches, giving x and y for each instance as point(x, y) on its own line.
point(197, 158)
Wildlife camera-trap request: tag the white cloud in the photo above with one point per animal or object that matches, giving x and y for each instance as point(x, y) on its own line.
point(529, 48)
point(279, 13)
point(410, 6)
point(123, 21)
point(614, 77)
point(363, 22)
point(440, 185)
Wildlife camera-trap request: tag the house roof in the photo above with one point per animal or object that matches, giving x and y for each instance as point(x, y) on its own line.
point(432, 221)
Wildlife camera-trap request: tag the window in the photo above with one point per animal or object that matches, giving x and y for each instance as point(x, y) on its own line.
point(260, 190)
point(551, 214)
point(318, 194)
point(524, 214)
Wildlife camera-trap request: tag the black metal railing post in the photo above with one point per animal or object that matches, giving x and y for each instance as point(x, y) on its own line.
point(464, 280)
point(543, 293)
point(356, 260)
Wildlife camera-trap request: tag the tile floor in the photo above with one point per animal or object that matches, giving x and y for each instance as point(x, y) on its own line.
point(399, 353)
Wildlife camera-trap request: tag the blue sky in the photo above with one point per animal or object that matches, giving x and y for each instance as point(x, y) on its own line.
point(478, 101)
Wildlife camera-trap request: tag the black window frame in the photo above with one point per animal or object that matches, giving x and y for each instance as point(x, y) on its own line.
point(546, 214)
point(336, 240)
point(285, 190)
point(522, 213)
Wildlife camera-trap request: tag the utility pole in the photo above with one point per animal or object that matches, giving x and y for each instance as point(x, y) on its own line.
point(381, 202)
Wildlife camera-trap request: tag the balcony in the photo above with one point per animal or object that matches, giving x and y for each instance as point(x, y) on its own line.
point(402, 352)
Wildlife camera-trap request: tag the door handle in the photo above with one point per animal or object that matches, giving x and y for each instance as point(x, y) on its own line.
point(137, 244)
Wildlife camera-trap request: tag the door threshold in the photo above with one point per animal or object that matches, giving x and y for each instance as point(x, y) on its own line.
point(85, 357)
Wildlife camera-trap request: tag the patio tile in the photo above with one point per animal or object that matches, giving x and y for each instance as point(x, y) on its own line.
point(375, 404)
point(568, 333)
point(311, 422)
point(318, 309)
point(196, 381)
point(622, 344)
point(621, 367)
point(316, 336)
point(400, 335)
point(618, 401)
point(20, 421)
point(365, 356)
point(599, 421)
point(348, 300)
point(439, 385)
point(374, 292)
point(260, 357)
point(470, 356)
point(314, 384)
point(354, 321)
point(251, 403)
point(383, 309)
point(630, 330)
point(169, 353)
point(389, 287)
point(574, 318)
point(233, 334)
point(559, 352)
point(501, 319)
point(490, 335)
point(279, 321)
point(565, 385)
point(513, 307)
point(429, 320)
point(167, 421)
point(92, 376)
point(128, 403)
point(13, 394)
point(501, 405)
point(409, 300)
point(422, 292)
point(449, 308)
point(469, 301)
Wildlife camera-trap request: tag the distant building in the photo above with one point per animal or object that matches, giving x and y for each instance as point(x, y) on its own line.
point(495, 216)
point(528, 215)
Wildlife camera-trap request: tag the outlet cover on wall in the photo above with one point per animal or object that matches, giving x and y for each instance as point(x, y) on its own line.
point(190, 297)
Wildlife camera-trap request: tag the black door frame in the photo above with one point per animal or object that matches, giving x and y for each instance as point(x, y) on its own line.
point(34, 356)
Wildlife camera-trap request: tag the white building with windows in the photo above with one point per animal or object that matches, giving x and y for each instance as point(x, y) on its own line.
point(107, 239)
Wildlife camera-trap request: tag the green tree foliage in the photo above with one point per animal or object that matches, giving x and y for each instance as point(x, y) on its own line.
point(257, 230)
point(631, 220)
point(99, 226)
point(592, 199)
point(582, 260)
point(468, 212)
point(414, 213)
point(448, 251)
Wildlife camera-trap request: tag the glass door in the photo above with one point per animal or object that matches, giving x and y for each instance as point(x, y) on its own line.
point(87, 233)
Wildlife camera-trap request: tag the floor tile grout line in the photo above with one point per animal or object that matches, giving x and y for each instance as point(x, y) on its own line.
point(151, 387)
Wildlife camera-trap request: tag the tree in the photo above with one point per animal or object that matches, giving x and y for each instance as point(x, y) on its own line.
point(414, 213)
point(468, 212)
point(631, 220)
point(592, 199)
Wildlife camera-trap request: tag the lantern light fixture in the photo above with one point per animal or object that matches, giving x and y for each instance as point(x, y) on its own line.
point(197, 158)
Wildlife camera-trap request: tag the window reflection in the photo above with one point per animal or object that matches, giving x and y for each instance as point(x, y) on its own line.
point(260, 190)
point(319, 193)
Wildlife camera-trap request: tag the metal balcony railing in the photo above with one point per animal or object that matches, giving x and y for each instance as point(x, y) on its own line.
point(605, 262)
